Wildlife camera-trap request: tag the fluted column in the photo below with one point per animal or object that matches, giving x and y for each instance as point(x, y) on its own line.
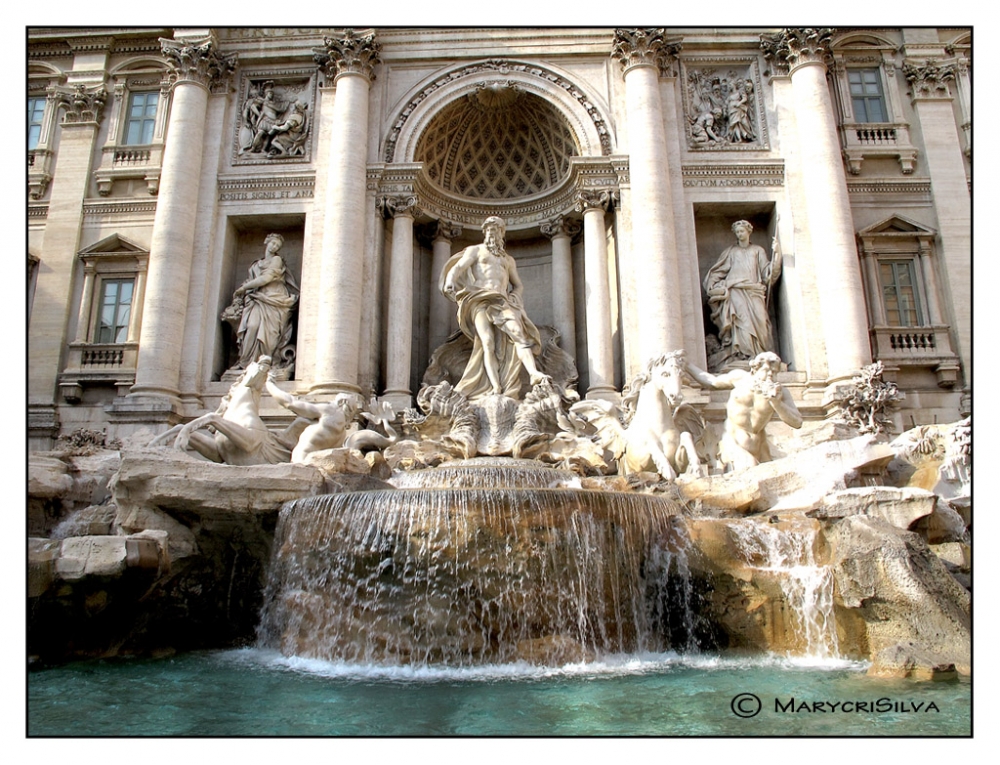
point(831, 229)
point(350, 62)
point(600, 353)
point(642, 53)
point(441, 309)
point(932, 101)
point(196, 64)
point(561, 231)
point(399, 340)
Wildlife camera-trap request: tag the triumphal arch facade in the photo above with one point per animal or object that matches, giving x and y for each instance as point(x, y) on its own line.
point(198, 198)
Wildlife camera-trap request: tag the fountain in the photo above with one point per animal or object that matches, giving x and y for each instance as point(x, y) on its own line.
point(480, 562)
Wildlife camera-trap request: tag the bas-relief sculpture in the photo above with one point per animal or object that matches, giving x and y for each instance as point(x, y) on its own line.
point(721, 109)
point(261, 311)
point(483, 281)
point(739, 289)
point(756, 397)
point(273, 126)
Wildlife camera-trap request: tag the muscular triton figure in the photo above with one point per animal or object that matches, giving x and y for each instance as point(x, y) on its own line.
point(756, 396)
point(483, 280)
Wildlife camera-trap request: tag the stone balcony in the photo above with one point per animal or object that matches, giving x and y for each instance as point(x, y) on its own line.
point(877, 139)
point(928, 346)
point(130, 162)
point(98, 364)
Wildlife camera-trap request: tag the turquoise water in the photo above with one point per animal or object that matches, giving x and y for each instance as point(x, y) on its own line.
point(258, 693)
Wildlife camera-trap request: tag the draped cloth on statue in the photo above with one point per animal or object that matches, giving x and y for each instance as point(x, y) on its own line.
point(511, 327)
point(266, 325)
point(741, 314)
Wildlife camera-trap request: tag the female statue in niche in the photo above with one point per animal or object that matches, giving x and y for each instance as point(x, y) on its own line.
point(261, 311)
point(738, 288)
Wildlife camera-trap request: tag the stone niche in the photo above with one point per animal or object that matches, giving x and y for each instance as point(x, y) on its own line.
point(713, 231)
point(244, 245)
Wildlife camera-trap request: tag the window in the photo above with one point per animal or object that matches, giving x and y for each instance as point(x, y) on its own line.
point(866, 95)
point(141, 118)
point(899, 293)
point(36, 109)
point(115, 311)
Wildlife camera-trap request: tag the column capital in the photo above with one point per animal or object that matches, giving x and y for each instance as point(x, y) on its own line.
point(561, 226)
point(350, 54)
point(404, 204)
point(197, 61)
point(83, 105)
point(443, 230)
point(928, 79)
point(794, 47)
point(593, 199)
point(645, 47)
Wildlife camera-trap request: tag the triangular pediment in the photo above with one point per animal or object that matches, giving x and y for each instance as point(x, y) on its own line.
point(897, 224)
point(113, 245)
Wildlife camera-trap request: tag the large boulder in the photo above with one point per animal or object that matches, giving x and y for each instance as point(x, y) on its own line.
point(797, 482)
point(902, 591)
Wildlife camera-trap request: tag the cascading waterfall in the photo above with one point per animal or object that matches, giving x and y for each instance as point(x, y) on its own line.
point(470, 575)
point(787, 552)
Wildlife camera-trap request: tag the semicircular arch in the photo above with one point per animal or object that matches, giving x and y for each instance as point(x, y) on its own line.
point(585, 113)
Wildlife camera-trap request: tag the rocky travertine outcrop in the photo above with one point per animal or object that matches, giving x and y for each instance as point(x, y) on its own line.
point(902, 591)
point(173, 555)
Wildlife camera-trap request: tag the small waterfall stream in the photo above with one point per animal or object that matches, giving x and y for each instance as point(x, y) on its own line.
point(786, 553)
point(507, 570)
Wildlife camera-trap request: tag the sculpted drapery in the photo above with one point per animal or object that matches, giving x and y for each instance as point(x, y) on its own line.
point(737, 287)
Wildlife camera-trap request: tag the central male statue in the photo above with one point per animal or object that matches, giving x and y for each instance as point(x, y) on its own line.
point(483, 280)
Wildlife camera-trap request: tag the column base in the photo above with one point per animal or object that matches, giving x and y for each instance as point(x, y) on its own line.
point(605, 393)
point(334, 386)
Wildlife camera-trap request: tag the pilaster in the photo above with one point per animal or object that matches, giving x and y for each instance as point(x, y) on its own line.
point(930, 82)
point(83, 105)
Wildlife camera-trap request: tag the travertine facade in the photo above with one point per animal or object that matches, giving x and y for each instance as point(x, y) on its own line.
point(161, 159)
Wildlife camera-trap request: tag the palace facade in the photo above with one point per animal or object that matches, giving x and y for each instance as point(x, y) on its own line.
point(159, 160)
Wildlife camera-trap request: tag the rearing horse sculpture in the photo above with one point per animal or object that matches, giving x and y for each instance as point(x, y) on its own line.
point(653, 429)
point(241, 437)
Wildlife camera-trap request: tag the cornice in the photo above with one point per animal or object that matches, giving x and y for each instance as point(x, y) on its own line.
point(881, 186)
point(755, 174)
point(125, 207)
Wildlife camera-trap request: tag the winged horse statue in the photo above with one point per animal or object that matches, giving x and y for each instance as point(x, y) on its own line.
point(653, 430)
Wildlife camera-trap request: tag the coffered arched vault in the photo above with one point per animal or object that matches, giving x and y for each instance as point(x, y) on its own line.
point(550, 136)
point(586, 115)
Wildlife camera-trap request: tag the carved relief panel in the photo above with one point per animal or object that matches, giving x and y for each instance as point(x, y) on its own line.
point(274, 119)
point(723, 104)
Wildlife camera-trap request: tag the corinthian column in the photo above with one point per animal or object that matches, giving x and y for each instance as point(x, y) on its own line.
point(350, 62)
point(196, 65)
point(441, 309)
point(561, 231)
point(642, 53)
point(600, 353)
point(399, 343)
point(831, 229)
point(932, 101)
